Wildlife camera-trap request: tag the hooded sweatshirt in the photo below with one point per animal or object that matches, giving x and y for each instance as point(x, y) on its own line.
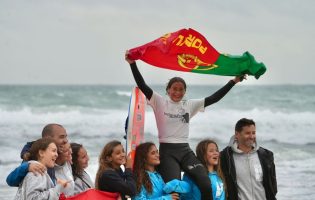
point(249, 174)
point(65, 172)
point(38, 187)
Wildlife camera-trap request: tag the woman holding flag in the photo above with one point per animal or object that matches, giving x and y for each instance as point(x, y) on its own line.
point(172, 116)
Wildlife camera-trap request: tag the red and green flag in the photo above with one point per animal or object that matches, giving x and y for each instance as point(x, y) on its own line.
point(187, 50)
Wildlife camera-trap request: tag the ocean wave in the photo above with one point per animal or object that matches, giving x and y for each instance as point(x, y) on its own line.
point(124, 93)
point(6, 162)
point(292, 128)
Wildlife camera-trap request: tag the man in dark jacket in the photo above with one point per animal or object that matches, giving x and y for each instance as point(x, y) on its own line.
point(249, 170)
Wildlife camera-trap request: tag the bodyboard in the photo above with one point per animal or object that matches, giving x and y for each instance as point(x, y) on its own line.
point(135, 121)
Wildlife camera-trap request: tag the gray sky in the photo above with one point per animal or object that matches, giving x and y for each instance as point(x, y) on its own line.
point(83, 42)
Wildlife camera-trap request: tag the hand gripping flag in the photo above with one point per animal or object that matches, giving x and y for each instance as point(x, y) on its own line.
point(187, 50)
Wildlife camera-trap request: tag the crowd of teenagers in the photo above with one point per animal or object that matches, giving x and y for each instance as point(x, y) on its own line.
point(242, 171)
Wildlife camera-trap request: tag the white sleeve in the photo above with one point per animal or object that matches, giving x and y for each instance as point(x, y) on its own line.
point(155, 100)
point(195, 106)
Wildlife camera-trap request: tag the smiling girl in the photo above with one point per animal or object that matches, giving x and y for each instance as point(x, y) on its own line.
point(208, 153)
point(80, 161)
point(110, 177)
point(149, 182)
point(43, 151)
point(172, 116)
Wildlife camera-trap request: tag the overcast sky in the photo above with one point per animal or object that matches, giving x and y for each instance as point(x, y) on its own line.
point(83, 42)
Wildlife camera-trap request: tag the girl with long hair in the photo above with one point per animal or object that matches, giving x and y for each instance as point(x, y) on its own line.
point(80, 161)
point(148, 181)
point(208, 153)
point(172, 116)
point(109, 176)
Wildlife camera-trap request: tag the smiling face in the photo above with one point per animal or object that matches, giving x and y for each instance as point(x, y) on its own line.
point(83, 158)
point(48, 157)
point(68, 152)
point(176, 91)
point(246, 138)
point(212, 155)
point(152, 159)
point(65, 154)
point(59, 135)
point(118, 157)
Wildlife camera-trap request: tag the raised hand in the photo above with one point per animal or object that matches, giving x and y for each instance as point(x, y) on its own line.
point(127, 58)
point(240, 78)
point(129, 161)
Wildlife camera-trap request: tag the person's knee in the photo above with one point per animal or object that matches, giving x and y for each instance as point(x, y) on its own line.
point(201, 179)
point(169, 173)
point(167, 176)
point(204, 186)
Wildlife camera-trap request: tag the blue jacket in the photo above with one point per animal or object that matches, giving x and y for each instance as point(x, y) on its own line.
point(216, 184)
point(157, 189)
point(160, 190)
point(16, 176)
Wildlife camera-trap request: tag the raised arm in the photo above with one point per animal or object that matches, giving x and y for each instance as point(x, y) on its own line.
point(147, 91)
point(223, 91)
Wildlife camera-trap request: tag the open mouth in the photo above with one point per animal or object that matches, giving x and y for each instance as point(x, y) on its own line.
point(215, 158)
point(54, 158)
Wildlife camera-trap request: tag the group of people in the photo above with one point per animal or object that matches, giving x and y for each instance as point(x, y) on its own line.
point(242, 171)
point(51, 166)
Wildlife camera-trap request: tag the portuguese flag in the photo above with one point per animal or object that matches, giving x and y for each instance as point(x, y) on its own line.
point(187, 50)
point(92, 194)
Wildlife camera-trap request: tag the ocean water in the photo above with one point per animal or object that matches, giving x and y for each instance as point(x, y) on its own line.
point(94, 115)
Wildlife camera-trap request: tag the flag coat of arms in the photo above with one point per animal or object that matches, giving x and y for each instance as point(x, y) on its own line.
point(189, 51)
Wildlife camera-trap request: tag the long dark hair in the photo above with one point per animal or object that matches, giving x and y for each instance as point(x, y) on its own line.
point(77, 171)
point(201, 151)
point(142, 178)
point(105, 164)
